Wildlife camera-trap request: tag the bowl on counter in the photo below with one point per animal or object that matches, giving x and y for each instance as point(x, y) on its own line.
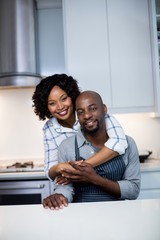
point(143, 155)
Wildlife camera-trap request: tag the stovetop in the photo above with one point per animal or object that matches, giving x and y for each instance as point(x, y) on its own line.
point(28, 166)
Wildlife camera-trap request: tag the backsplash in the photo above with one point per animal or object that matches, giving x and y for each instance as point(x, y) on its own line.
point(144, 129)
point(21, 130)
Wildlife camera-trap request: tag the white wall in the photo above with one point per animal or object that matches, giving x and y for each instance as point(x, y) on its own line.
point(145, 130)
point(21, 131)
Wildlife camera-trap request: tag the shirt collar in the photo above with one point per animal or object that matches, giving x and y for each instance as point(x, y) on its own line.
point(81, 139)
point(59, 128)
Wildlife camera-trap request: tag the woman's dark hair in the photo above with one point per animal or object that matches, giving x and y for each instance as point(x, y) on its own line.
point(42, 91)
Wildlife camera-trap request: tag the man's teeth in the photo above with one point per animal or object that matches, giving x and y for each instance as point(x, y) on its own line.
point(90, 123)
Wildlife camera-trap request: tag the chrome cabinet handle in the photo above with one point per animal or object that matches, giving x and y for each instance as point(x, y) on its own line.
point(36, 186)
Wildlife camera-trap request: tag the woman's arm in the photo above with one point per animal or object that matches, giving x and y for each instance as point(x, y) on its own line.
point(117, 139)
point(51, 142)
point(115, 145)
point(54, 171)
point(104, 155)
point(50, 149)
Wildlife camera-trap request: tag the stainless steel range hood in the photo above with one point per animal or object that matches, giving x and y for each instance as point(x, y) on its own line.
point(18, 50)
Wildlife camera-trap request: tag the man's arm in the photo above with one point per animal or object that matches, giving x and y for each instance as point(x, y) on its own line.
point(130, 183)
point(62, 195)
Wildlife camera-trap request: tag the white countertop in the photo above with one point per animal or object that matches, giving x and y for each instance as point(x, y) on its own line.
point(148, 165)
point(122, 220)
point(22, 176)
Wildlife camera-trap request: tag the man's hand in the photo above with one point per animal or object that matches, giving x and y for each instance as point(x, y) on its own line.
point(67, 166)
point(81, 173)
point(55, 202)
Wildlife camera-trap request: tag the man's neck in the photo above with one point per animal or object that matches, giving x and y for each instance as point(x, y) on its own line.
point(97, 139)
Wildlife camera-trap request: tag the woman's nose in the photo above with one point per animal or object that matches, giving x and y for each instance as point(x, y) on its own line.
point(59, 105)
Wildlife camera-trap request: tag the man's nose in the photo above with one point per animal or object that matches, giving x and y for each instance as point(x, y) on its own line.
point(87, 114)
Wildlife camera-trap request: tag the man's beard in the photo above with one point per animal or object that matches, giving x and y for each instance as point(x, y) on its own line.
point(91, 131)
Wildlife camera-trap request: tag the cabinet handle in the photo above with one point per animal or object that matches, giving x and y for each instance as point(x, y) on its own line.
point(36, 186)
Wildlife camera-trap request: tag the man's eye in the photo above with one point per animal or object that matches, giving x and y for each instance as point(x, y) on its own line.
point(79, 113)
point(92, 109)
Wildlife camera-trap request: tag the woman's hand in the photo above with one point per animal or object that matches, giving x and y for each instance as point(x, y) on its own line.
point(62, 166)
point(61, 179)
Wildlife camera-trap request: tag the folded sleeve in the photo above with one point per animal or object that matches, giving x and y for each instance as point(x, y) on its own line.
point(117, 140)
point(130, 183)
point(65, 190)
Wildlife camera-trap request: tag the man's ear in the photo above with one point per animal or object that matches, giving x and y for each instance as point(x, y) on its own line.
point(105, 108)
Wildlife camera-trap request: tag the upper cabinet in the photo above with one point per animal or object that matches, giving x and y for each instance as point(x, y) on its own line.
point(50, 37)
point(131, 66)
point(109, 46)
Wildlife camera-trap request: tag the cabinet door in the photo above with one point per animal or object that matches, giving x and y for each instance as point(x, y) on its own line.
point(86, 48)
point(50, 37)
point(130, 54)
point(108, 49)
point(149, 194)
point(150, 185)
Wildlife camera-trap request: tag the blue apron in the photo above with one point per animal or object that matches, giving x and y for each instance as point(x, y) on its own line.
point(86, 192)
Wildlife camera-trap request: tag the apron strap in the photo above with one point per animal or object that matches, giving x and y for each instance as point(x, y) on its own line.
point(76, 150)
point(77, 157)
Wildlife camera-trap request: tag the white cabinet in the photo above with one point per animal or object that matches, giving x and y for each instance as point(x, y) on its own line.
point(150, 184)
point(50, 38)
point(130, 54)
point(108, 49)
point(109, 46)
point(86, 45)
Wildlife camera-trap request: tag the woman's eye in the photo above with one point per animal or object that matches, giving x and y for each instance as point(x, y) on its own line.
point(51, 104)
point(64, 98)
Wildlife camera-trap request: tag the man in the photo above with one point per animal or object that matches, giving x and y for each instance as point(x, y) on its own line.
point(118, 179)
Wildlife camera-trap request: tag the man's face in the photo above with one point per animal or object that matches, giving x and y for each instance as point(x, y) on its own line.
point(90, 112)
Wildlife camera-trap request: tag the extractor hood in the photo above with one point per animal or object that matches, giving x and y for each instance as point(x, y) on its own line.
point(18, 44)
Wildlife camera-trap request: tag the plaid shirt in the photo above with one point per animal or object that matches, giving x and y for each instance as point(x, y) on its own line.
point(54, 134)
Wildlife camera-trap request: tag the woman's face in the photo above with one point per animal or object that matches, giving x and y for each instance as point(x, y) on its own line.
point(60, 104)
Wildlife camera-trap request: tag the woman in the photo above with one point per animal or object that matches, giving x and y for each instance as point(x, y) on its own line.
point(54, 99)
